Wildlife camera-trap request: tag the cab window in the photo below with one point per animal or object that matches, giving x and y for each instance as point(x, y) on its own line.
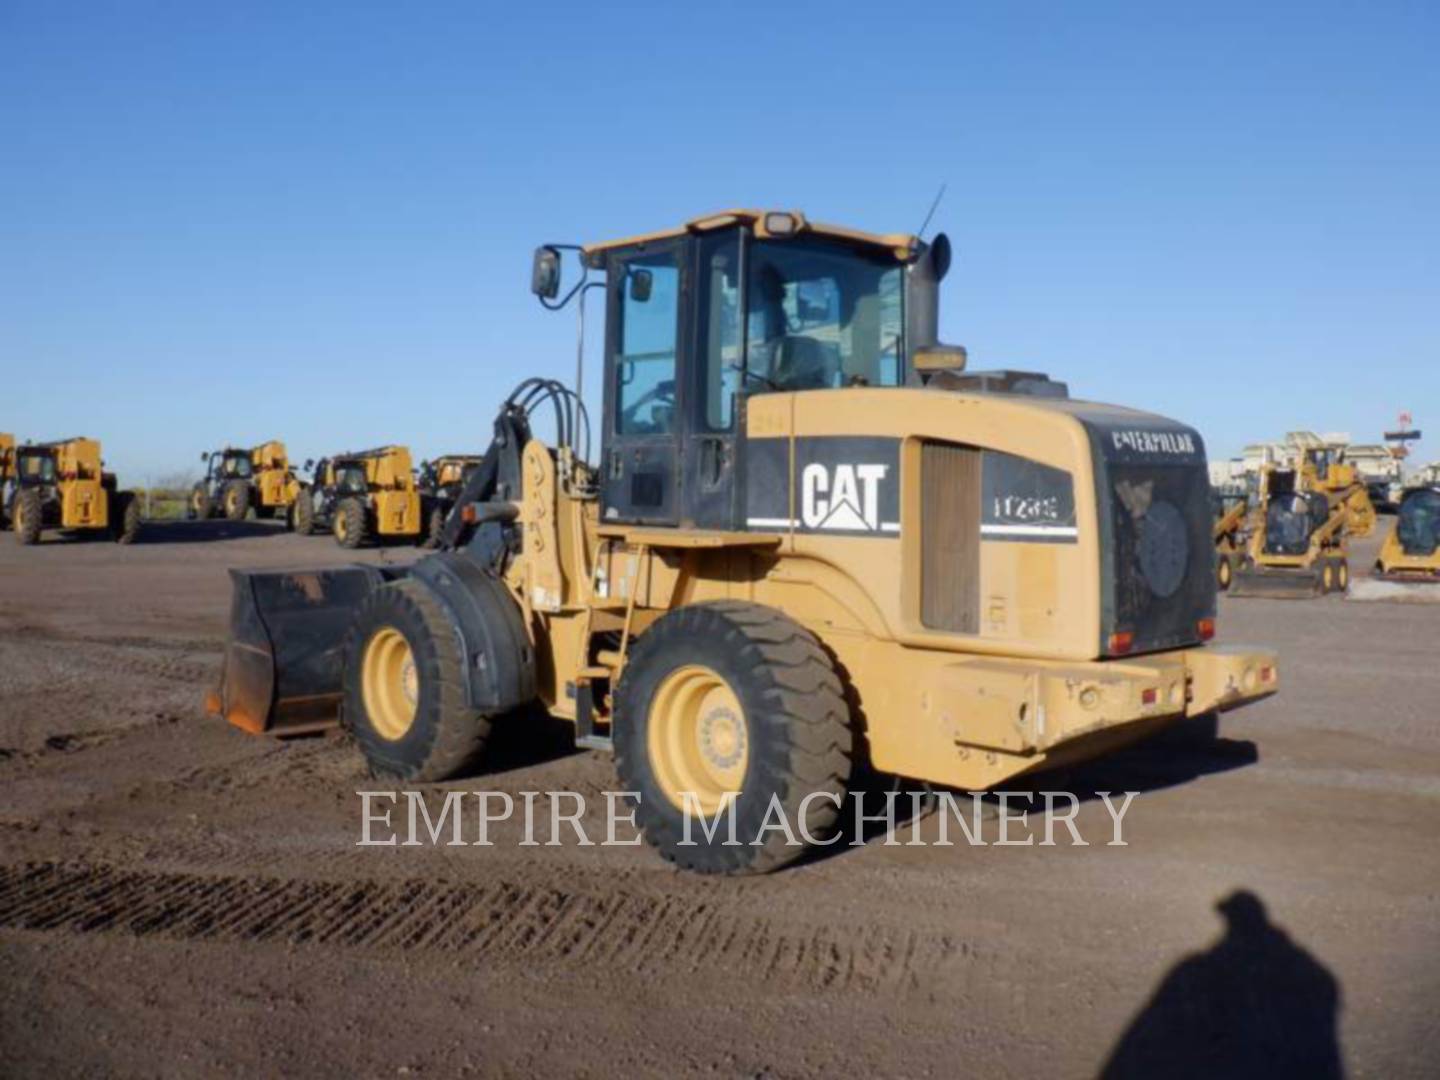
point(644, 372)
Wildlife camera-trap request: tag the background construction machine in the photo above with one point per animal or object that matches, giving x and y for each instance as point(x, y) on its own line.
point(238, 479)
point(441, 482)
point(361, 496)
point(63, 485)
point(810, 538)
point(1298, 546)
point(7, 476)
point(1231, 514)
point(1411, 551)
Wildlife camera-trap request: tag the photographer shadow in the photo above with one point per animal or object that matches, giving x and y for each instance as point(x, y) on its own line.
point(1255, 1004)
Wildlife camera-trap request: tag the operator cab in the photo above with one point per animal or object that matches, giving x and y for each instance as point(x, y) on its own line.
point(742, 303)
point(35, 466)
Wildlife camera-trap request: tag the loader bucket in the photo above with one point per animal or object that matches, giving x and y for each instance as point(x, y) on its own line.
point(1276, 584)
point(282, 673)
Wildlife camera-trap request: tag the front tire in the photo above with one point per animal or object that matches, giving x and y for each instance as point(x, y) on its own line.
point(1224, 572)
point(350, 524)
point(200, 504)
point(236, 500)
point(435, 529)
point(405, 687)
point(302, 514)
point(733, 697)
point(29, 514)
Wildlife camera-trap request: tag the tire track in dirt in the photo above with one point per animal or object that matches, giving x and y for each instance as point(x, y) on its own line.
point(495, 922)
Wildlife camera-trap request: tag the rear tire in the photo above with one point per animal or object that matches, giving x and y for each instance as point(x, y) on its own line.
point(302, 513)
point(674, 721)
point(1342, 575)
point(124, 517)
point(29, 513)
point(350, 524)
point(235, 500)
point(405, 687)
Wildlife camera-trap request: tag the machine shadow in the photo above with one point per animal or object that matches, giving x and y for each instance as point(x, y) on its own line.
point(1255, 1004)
point(205, 532)
point(525, 738)
point(1186, 751)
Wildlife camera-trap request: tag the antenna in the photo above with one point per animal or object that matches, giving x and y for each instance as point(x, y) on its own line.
point(920, 233)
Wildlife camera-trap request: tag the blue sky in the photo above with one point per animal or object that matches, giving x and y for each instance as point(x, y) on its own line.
point(230, 222)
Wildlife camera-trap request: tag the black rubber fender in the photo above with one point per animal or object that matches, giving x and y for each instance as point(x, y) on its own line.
point(500, 674)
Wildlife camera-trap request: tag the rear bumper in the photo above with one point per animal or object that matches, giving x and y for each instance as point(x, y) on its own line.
point(983, 719)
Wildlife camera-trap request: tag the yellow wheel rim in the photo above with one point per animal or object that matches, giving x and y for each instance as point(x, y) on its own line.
point(340, 526)
point(389, 683)
point(1224, 572)
point(1342, 577)
point(1327, 577)
point(232, 500)
point(697, 738)
point(195, 501)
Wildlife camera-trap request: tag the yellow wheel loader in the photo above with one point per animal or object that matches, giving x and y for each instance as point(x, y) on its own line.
point(810, 539)
point(1298, 547)
point(1230, 518)
point(63, 485)
point(362, 496)
point(238, 480)
point(441, 482)
point(1411, 551)
point(7, 476)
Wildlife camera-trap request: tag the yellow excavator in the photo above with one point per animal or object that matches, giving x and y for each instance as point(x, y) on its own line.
point(63, 485)
point(811, 538)
point(1411, 551)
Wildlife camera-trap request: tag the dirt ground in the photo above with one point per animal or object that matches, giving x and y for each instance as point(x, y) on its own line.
point(178, 897)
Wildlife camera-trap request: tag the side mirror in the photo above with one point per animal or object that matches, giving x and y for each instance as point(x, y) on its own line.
point(545, 273)
point(642, 283)
point(940, 254)
point(309, 463)
point(205, 455)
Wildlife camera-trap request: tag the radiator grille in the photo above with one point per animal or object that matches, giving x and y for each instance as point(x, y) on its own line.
point(950, 538)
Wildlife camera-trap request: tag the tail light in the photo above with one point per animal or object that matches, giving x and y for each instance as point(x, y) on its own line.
point(1121, 642)
point(1206, 629)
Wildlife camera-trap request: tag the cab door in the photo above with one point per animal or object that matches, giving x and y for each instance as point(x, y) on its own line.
point(644, 391)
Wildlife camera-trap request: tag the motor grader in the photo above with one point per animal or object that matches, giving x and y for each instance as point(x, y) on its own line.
point(361, 496)
point(237, 479)
point(1411, 551)
point(441, 482)
point(1299, 545)
point(811, 540)
point(63, 485)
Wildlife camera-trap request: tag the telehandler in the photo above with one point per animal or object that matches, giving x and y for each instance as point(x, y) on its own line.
point(63, 485)
point(811, 539)
point(361, 496)
point(237, 479)
point(1299, 545)
point(1411, 551)
point(441, 482)
point(1326, 471)
point(7, 476)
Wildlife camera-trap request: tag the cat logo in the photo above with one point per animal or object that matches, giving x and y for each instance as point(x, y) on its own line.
point(846, 499)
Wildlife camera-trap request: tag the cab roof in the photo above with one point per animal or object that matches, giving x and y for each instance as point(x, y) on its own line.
point(767, 223)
